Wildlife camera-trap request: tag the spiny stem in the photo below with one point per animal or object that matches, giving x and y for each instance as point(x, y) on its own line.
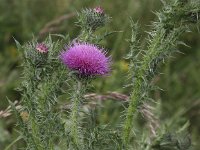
point(138, 86)
point(131, 111)
point(75, 114)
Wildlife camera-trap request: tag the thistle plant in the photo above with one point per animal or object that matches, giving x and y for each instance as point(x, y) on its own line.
point(66, 68)
point(46, 69)
point(162, 42)
point(43, 75)
point(86, 61)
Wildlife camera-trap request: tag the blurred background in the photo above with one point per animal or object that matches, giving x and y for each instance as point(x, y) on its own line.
point(180, 78)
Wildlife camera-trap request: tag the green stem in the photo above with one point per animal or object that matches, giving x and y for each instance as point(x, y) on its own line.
point(134, 100)
point(75, 133)
point(138, 87)
point(16, 140)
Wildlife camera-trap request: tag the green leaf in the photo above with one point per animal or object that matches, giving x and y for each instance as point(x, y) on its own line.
point(17, 44)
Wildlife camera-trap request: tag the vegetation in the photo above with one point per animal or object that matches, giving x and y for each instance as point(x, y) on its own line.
point(135, 107)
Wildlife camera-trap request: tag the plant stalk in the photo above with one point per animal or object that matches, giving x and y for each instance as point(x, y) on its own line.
point(75, 132)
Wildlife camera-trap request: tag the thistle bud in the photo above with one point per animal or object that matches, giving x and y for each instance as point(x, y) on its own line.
point(42, 48)
point(37, 53)
point(93, 18)
point(98, 10)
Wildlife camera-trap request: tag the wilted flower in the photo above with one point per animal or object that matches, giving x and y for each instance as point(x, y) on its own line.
point(24, 115)
point(42, 48)
point(87, 59)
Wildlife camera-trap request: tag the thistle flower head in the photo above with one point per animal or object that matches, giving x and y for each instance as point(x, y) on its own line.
point(42, 48)
point(87, 59)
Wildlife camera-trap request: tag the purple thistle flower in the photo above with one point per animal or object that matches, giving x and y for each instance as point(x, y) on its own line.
point(87, 59)
point(42, 48)
point(98, 10)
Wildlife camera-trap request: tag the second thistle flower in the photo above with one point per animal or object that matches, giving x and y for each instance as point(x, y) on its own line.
point(86, 59)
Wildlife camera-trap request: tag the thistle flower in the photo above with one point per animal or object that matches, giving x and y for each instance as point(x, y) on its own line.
point(87, 59)
point(42, 48)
